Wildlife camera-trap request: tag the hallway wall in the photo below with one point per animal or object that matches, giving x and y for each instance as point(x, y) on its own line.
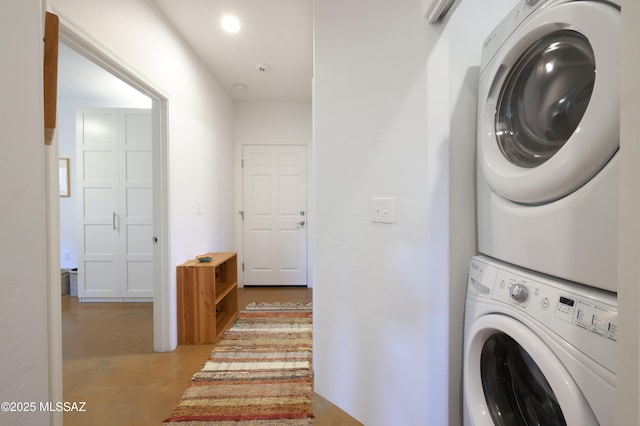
point(380, 291)
point(24, 344)
point(200, 139)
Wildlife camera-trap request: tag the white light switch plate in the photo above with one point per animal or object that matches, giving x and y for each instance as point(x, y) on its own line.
point(382, 210)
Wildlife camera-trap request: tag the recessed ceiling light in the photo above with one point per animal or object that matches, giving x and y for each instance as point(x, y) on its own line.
point(230, 24)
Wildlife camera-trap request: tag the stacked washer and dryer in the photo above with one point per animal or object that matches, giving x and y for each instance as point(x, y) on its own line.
point(541, 309)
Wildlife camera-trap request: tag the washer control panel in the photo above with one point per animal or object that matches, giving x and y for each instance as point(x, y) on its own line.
point(590, 315)
point(586, 317)
point(540, 300)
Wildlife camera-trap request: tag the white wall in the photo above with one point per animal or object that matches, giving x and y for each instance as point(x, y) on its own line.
point(381, 291)
point(24, 349)
point(272, 122)
point(199, 111)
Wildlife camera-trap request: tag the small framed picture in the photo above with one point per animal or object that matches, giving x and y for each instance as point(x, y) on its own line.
point(65, 187)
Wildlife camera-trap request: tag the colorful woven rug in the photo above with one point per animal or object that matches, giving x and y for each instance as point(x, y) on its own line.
point(259, 373)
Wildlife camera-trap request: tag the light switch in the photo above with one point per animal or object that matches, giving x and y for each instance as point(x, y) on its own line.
point(382, 210)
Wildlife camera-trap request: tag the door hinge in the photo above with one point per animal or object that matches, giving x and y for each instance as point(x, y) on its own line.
point(242, 163)
point(241, 213)
point(242, 266)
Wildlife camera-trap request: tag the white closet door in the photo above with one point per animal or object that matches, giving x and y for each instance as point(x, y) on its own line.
point(115, 165)
point(136, 225)
point(98, 191)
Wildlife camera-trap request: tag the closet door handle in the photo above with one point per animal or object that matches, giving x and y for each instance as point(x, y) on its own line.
point(113, 220)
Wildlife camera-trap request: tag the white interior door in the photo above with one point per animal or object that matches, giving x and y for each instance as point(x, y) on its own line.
point(98, 192)
point(275, 205)
point(136, 193)
point(116, 238)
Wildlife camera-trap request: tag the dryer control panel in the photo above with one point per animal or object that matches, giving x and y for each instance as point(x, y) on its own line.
point(585, 317)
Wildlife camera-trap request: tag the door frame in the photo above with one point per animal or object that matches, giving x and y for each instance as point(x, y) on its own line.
point(89, 48)
point(238, 202)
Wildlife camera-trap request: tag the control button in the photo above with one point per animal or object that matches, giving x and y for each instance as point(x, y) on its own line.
point(584, 319)
point(519, 293)
point(545, 303)
point(612, 331)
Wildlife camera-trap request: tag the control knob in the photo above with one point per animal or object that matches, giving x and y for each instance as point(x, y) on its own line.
point(519, 293)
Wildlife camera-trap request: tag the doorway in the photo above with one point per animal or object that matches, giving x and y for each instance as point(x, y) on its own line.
point(161, 273)
point(274, 215)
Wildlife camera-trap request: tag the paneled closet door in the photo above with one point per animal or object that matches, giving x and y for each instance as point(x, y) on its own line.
point(115, 190)
point(136, 190)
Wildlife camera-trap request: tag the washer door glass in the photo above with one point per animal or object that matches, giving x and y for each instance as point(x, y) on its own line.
point(516, 391)
point(544, 98)
point(549, 102)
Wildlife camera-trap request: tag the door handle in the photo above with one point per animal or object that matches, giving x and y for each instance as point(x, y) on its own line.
point(113, 220)
point(301, 223)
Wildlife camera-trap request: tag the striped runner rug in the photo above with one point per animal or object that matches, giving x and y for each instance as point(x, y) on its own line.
point(259, 373)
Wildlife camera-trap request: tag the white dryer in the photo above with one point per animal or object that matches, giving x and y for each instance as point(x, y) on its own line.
point(537, 350)
point(548, 135)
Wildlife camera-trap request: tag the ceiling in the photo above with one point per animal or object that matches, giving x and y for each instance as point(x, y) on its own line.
point(275, 33)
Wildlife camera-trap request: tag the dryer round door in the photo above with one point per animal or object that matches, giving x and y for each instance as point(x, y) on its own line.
point(513, 378)
point(549, 103)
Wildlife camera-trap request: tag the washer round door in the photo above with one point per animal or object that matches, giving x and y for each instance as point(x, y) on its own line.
point(549, 103)
point(513, 378)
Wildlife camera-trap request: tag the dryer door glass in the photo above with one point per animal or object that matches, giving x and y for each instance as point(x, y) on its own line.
point(544, 97)
point(516, 391)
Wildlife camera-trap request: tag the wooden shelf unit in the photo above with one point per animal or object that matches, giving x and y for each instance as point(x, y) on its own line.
point(207, 298)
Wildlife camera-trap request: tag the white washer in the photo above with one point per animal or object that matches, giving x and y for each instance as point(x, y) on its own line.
point(537, 350)
point(548, 136)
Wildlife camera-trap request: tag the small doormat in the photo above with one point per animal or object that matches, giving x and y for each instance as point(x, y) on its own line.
point(259, 373)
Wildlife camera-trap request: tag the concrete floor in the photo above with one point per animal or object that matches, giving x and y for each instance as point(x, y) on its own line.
point(109, 363)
